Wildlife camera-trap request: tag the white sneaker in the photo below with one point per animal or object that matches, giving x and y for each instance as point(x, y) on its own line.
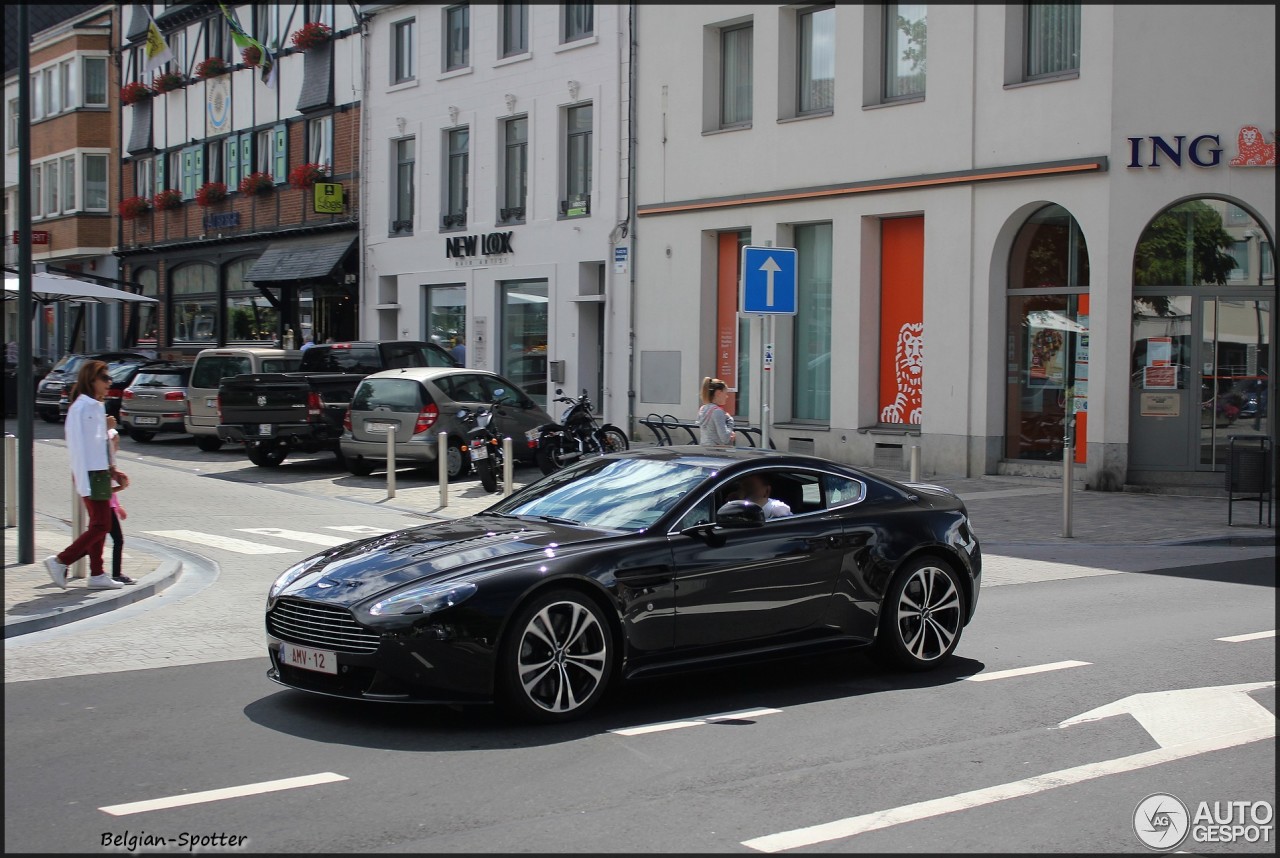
point(103, 582)
point(57, 570)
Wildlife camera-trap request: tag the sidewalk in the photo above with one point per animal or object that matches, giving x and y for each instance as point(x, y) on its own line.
point(1013, 517)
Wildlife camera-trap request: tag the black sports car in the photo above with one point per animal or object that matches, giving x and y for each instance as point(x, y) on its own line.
point(630, 564)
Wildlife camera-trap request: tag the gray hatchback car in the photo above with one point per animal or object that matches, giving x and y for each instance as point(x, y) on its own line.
point(155, 401)
point(422, 402)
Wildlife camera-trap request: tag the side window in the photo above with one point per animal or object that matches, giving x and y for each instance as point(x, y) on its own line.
point(702, 513)
point(463, 388)
point(842, 491)
point(210, 372)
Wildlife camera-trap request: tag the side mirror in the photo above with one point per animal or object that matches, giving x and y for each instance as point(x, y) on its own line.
point(739, 514)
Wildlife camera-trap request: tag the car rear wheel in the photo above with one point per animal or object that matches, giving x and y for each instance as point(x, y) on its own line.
point(50, 415)
point(556, 662)
point(208, 443)
point(267, 454)
point(922, 615)
point(359, 466)
point(141, 435)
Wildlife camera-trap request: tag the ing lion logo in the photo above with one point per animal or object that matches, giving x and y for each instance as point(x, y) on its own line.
point(909, 371)
point(1254, 150)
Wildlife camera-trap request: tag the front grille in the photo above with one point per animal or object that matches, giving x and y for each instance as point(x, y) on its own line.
point(324, 626)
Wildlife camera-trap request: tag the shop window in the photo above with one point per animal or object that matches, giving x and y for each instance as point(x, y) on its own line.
point(1047, 335)
point(251, 318)
point(523, 341)
point(811, 362)
point(446, 322)
point(193, 293)
point(147, 316)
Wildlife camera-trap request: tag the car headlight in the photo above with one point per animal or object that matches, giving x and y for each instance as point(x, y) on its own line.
point(423, 599)
point(293, 573)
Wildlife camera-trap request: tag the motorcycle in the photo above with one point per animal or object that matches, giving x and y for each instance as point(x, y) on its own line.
point(483, 445)
point(579, 433)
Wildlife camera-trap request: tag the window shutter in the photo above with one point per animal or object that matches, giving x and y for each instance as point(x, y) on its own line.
point(282, 154)
point(198, 168)
point(188, 175)
point(246, 152)
point(159, 171)
point(233, 163)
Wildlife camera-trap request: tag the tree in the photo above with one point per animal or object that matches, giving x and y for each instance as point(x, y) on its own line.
point(1184, 246)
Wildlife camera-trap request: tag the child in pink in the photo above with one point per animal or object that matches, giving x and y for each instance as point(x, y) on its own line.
point(118, 514)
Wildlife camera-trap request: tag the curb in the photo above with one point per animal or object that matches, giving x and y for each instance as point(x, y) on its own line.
point(159, 579)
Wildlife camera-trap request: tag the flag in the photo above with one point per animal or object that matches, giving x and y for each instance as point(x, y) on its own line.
point(155, 51)
point(243, 40)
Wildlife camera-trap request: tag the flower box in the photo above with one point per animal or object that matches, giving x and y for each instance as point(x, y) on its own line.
point(310, 35)
point(304, 176)
point(132, 93)
point(257, 183)
point(168, 199)
point(168, 81)
point(210, 193)
point(212, 67)
point(251, 55)
point(133, 207)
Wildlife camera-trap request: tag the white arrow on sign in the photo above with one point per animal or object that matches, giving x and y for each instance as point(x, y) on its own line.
point(769, 268)
point(1196, 720)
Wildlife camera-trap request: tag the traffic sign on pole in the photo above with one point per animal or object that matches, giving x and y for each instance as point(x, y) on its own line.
point(769, 281)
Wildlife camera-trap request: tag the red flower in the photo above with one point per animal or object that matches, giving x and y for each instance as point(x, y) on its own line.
point(212, 67)
point(210, 193)
point(132, 93)
point(304, 176)
point(132, 207)
point(170, 199)
point(310, 35)
point(257, 183)
point(251, 55)
point(167, 81)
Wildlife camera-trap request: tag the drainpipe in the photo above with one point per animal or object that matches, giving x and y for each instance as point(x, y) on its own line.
point(631, 214)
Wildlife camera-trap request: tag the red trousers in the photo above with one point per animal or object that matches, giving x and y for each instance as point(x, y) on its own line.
point(90, 543)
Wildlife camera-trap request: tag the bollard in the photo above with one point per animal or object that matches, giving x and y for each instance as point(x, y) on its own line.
point(508, 466)
point(391, 462)
point(1068, 456)
point(10, 480)
point(442, 456)
point(915, 463)
point(77, 569)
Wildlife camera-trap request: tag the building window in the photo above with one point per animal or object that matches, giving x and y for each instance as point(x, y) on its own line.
point(811, 379)
point(579, 21)
point(173, 170)
point(319, 142)
point(515, 29)
point(70, 97)
point(735, 76)
point(817, 72)
point(250, 316)
point(36, 189)
point(144, 177)
point(515, 173)
point(193, 288)
point(218, 40)
point(523, 342)
point(147, 325)
point(266, 25)
point(321, 12)
point(262, 152)
point(446, 322)
point(1266, 264)
point(1053, 39)
point(11, 127)
point(52, 203)
point(457, 37)
point(215, 160)
point(69, 184)
point(1240, 253)
point(402, 51)
point(577, 200)
point(905, 32)
point(402, 214)
point(37, 95)
point(95, 183)
point(95, 81)
point(455, 208)
point(53, 91)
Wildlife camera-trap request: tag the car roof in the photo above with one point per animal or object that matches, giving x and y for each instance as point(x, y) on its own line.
point(427, 373)
point(224, 351)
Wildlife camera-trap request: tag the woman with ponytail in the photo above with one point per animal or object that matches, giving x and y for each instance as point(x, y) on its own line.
point(715, 426)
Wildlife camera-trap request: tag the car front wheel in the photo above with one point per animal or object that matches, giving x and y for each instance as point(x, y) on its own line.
point(142, 436)
point(922, 615)
point(208, 443)
point(556, 663)
point(267, 455)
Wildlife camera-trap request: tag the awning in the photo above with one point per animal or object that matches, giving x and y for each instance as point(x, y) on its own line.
point(48, 288)
point(301, 259)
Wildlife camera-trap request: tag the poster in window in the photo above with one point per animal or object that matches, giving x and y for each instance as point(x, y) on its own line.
point(1046, 358)
point(901, 398)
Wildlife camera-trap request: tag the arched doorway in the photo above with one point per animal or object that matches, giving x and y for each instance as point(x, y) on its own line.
point(1202, 366)
point(1047, 338)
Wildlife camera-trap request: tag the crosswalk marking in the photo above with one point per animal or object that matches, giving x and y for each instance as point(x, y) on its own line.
point(221, 794)
point(362, 529)
point(1024, 671)
point(1252, 636)
point(694, 722)
point(298, 535)
point(226, 543)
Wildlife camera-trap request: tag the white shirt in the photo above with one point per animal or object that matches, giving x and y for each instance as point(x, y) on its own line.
point(774, 508)
point(86, 434)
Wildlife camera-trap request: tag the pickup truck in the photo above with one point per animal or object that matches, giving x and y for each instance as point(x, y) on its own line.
point(275, 413)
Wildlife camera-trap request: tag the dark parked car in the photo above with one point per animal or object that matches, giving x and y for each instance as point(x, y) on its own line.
point(627, 565)
point(51, 394)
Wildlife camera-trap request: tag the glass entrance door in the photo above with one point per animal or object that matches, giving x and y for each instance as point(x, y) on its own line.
point(1235, 365)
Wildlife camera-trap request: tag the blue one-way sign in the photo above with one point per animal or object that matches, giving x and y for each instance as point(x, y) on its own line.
point(769, 280)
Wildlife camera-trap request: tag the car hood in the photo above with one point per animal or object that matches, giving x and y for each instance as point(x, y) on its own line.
point(434, 552)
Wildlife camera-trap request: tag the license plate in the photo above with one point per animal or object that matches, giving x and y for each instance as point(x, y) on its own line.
point(146, 421)
point(264, 428)
point(211, 402)
point(321, 661)
point(479, 452)
point(380, 427)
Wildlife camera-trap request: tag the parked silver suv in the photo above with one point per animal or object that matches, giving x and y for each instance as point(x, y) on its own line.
point(421, 402)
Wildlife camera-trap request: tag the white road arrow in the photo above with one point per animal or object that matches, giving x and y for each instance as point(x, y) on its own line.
point(1195, 720)
point(769, 268)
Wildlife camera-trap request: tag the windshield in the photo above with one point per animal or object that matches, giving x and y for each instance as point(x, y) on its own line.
point(615, 494)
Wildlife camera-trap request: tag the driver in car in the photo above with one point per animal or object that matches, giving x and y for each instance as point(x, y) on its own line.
point(756, 488)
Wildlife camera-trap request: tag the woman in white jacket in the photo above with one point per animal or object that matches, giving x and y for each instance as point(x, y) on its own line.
point(86, 434)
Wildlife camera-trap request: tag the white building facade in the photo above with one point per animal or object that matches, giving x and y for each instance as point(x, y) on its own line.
point(496, 188)
point(1006, 217)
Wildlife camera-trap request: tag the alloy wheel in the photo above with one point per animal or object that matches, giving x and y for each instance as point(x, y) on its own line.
point(929, 616)
point(562, 657)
